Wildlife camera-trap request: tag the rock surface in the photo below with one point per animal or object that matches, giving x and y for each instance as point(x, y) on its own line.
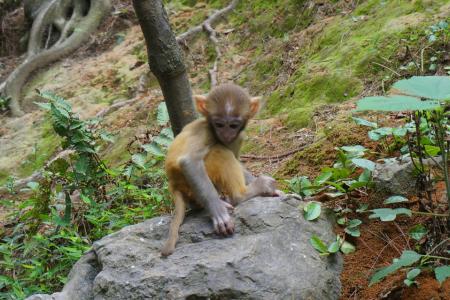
point(396, 176)
point(269, 257)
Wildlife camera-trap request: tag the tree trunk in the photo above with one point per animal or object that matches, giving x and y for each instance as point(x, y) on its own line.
point(166, 61)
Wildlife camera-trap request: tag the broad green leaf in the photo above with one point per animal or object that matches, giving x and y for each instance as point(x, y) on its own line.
point(365, 176)
point(395, 199)
point(162, 140)
point(154, 149)
point(407, 258)
point(362, 208)
point(353, 231)
point(312, 211)
point(324, 176)
point(354, 223)
point(162, 115)
point(139, 159)
point(432, 150)
point(107, 137)
point(318, 244)
point(347, 248)
point(363, 122)
point(408, 282)
point(418, 232)
point(403, 211)
point(364, 163)
point(442, 273)
point(43, 105)
point(341, 221)
point(333, 247)
point(430, 87)
point(388, 214)
point(355, 148)
point(82, 165)
point(396, 103)
point(413, 274)
point(167, 132)
point(356, 185)
point(399, 131)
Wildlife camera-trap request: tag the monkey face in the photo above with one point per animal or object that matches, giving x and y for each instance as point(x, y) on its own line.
point(226, 128)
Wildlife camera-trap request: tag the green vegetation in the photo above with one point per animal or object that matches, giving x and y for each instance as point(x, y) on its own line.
point(424, 136)
point(79, 200)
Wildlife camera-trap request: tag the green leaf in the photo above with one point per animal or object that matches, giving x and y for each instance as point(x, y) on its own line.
point(418, 232)
point(363, 122)
point(318, 244)
point(354, 223)
point(162, 115)
point(107, 137)
point(154, 149)
point(408, 282)
point(167, 132)
point(362, 208)
point(432, 150)
point(399, 131)
point(442, 273)
point(324, 176)
point(82, 165)
point(364, 163)
point(395, 199)
point(430, 87)
point(312, 211)
point(354, 149)
point(347, 248)
point(139, 159)
point(407, 258)
point(413, 274)
point(333, 247)
point(388, 214)
point(43, 105)
point(341, 221)
point(353, 231)
point(162, 140)
point(396, 103)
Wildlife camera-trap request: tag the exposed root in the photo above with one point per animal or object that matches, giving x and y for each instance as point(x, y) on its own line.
point(59, 29)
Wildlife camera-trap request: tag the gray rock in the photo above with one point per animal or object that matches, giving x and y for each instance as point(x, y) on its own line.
point(269, 257)
point(396, 176)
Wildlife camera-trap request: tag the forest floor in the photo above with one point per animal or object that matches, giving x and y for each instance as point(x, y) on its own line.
point(117, 70)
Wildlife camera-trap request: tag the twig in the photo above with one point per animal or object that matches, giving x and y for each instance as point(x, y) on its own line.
point(403, 234)
point(212, 34)
point(386, 67)
point(114, 107)
point(185, 37)
point(274, 157)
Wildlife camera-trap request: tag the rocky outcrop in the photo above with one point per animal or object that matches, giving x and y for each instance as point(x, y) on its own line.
point(269, 257)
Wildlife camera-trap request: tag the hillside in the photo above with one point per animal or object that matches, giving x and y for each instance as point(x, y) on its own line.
point(311, 60)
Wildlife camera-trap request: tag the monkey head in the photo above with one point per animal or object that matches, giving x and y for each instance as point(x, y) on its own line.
point(228, 107)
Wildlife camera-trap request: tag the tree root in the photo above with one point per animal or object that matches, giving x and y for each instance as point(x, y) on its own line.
point(183, 38)
point(60, 27)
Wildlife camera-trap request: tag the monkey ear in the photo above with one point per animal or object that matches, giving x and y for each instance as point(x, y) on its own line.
point(254, 105)
point(200, 104)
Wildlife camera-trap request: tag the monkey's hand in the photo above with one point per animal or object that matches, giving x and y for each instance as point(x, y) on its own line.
point(223, 224)
point(265, 186)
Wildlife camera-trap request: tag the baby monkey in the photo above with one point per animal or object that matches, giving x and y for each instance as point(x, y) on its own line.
point(203, 161)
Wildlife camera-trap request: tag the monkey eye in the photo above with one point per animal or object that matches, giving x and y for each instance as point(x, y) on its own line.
point(219, 125)
point(235, 125)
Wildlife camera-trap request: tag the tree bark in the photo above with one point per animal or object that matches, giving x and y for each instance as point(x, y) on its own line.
point(166, 62)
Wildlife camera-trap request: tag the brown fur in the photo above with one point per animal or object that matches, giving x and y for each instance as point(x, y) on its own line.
point(198, 145)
